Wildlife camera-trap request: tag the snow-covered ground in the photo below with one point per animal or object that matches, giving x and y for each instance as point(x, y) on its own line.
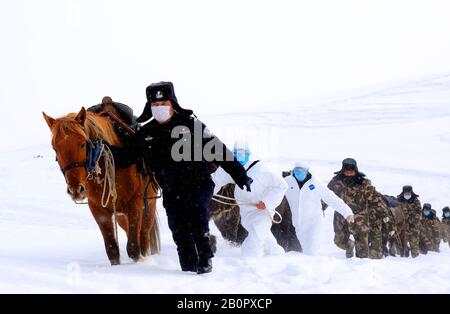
point(399, 134)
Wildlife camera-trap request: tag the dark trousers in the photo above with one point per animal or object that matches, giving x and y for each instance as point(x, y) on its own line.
point(188, 220)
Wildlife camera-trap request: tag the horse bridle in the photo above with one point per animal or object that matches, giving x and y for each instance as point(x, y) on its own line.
point(92, 154)
point(73, 166)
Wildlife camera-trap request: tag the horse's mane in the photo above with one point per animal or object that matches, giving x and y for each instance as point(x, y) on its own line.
point(97, 128)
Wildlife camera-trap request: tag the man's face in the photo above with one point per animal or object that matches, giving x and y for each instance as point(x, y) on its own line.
point(407, 194)
point(349, 173)
point(164, 103)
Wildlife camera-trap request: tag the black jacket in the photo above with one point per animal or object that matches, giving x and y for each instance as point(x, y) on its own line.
point(155, 143)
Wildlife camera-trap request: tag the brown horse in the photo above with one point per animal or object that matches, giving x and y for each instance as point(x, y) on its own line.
point(72, 138)
point(397, 243)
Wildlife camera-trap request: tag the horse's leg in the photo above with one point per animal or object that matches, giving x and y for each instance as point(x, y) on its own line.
point(404, 242)
point(122, 220)
point(148, 219)
point(393, 246)
point(104, 222)
point(134, 229)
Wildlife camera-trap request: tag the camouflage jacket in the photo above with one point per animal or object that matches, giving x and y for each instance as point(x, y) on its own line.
point(361, 197)
point(412, 210)
point(445, 228)
point(431, 229)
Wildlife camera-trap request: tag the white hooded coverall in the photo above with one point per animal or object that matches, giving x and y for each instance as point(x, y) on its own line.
point(306, 208)
point(267, 187)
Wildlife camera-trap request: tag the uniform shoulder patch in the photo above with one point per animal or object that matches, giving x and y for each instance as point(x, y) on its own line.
point(312, 187)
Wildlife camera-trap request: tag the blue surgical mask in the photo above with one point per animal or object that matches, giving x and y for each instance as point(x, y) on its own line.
point(300, 173)
point(447, 214)
point(407, 197)
point(243, 156)
point(243, 160)
point(300, 176)
point(426, 213)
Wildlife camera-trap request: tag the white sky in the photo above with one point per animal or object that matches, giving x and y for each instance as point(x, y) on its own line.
point(57, 55)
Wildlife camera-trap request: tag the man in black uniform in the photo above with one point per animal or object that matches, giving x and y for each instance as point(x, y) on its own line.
point(182, 171)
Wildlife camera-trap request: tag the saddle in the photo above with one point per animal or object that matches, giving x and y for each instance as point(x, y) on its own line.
point(125, 125)
point(395, 209)
point(124, 112)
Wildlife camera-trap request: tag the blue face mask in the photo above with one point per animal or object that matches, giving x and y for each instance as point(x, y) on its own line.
point(300, 173)
point(407, 197)
point(300, 176)
point(426, 213)
point(243, 156)
point(243, 160)
point(447, 215)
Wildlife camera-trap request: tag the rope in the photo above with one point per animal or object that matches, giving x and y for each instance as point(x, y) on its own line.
point(238, 203)
point(110, 176)
point(108, 181)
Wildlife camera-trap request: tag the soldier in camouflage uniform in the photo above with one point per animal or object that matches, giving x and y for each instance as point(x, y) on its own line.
point(445, 225)
point(430, 236)
point(368, 207)
point(410, 204)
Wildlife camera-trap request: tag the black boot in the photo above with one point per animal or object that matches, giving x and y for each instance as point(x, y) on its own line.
point(193, 268)
point(205, 267)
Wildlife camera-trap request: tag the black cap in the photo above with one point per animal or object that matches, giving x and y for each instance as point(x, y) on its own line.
point(407, 189)
point(446, 209)
point(427, 206)
point(349, 164)
point(161, 91)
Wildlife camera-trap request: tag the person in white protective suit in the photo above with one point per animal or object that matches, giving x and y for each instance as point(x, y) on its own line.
point(257, 207)
point(304, 195)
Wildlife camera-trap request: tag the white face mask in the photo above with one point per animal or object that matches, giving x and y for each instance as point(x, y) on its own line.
point(161, 113)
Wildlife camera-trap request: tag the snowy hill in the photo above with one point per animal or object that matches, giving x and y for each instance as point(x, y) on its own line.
point(399, 134)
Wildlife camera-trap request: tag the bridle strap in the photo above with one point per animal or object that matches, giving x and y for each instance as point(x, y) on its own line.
point(93, 151)
point(73, 166)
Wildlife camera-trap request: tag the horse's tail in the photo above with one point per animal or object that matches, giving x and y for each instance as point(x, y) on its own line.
point(155, 240)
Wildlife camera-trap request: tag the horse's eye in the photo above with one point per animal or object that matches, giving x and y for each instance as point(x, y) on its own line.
point(82, 145)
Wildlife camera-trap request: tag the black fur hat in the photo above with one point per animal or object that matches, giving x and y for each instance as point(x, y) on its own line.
point(427, 206)
point(348, 164)
point(161, 91)
point(409, 189)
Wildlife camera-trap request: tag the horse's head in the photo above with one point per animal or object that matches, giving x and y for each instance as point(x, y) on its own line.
point(69, 140)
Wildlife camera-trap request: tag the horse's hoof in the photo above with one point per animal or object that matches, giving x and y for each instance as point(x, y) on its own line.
point(134, 251)
point(213, 243)
point(115, 262)
point(135, 255)
point(136, 258)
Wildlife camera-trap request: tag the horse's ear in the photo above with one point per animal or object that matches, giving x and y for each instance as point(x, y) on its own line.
point(81, 117)
point(50, 121)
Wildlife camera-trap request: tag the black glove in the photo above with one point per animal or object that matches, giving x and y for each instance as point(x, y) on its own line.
point(246, 182)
